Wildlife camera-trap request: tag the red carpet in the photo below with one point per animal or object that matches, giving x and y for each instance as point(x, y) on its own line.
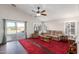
point(31, 48)
point(56, 47)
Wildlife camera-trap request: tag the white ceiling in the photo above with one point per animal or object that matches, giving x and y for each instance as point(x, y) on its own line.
point(54, 11)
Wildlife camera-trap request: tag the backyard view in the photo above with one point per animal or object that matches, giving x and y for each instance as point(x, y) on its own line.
point(12, 28)
point(15, 30)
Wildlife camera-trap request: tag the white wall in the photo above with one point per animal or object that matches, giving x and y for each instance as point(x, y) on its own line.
point(30, 29)
point(55, 25)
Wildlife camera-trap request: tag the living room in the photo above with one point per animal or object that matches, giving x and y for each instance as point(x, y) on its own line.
point(56, 22)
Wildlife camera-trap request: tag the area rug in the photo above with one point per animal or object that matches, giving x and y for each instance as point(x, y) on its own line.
point(31, 48)
point(56, 47)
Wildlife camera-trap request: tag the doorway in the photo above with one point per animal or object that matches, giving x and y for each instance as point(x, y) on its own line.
point(15, 30)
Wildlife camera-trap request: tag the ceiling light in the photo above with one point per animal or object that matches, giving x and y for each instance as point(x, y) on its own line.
point(38, 14)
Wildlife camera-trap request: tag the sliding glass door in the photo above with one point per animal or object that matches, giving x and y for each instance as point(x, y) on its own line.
point(15, 30)
point(20, 30)
point(10, 30)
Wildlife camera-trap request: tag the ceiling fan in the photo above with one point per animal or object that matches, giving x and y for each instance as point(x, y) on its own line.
point(39, 13)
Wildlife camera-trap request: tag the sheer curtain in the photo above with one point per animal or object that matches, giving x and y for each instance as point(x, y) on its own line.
point(2, 31)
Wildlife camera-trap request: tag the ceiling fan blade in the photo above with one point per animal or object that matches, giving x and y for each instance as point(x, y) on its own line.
point(13, 5)
point(43, 11)
point(44, 14)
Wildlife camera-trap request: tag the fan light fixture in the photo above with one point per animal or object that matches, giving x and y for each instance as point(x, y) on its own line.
point(38, 14)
